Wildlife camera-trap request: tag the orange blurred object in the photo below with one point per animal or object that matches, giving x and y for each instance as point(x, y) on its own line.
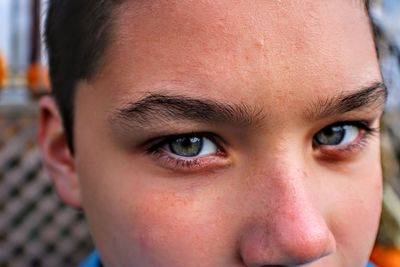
point(37, 78)
point(2, 71)
point(385, 257)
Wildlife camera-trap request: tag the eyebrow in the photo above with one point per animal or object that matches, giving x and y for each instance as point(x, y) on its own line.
point(371, 97)
point(156, 108)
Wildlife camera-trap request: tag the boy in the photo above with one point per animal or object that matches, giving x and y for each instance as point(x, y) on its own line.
point(217, 133)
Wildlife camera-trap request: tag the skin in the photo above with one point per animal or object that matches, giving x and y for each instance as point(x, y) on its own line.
point(273, 197)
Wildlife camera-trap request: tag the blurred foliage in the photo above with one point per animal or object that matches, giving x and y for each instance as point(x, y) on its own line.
point(386, 18)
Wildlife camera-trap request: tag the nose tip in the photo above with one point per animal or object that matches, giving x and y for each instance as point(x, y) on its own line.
point(303, 244)
point(295, 246)
point(292, 237)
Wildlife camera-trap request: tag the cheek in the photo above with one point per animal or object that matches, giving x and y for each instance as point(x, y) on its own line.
point(360, 207)
point(166, 230)
point(142, 225)
point(178, 229)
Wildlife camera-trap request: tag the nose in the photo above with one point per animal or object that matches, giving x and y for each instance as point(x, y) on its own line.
point(288, 229)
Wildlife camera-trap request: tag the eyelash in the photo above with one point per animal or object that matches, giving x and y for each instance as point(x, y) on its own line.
point(219, 159)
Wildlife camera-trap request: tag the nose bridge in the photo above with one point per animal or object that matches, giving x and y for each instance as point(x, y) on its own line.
point(282, 176)
point(289, 230)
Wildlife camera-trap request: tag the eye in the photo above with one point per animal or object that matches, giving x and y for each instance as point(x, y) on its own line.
point(338, 135)
point(190, 152)
point(191, 146)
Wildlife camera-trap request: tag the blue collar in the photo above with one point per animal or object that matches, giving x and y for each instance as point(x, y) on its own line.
point(94, 261)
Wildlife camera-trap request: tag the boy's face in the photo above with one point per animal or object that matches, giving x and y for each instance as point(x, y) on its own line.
point(232, 133)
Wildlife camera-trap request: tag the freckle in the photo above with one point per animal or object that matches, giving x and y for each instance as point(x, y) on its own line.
point(259, 44)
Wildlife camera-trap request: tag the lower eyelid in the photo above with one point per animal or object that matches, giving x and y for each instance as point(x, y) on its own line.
point(190, 165)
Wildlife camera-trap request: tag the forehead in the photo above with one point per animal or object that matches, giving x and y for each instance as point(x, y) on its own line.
point(231, 45)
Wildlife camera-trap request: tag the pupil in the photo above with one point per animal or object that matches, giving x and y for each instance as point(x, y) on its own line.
point(186, 146)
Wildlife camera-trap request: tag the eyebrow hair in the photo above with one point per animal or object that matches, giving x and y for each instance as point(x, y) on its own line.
point(373, 96)
point(165, 108)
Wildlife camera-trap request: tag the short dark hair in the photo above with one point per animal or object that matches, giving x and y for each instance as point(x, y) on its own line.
point(77, 33)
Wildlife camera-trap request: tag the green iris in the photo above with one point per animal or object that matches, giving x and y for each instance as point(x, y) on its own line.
point(186, 146)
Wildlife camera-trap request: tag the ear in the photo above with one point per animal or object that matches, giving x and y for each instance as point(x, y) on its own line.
point(57, 157)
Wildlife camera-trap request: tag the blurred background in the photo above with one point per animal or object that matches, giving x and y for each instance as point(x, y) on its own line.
point(36, 229)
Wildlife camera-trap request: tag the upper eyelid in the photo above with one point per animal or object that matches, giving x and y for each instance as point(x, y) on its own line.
point(351, 122)
point(360, 125)
point(363, 124)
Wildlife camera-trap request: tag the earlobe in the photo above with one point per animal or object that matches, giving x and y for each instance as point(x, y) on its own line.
point(56, 155)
